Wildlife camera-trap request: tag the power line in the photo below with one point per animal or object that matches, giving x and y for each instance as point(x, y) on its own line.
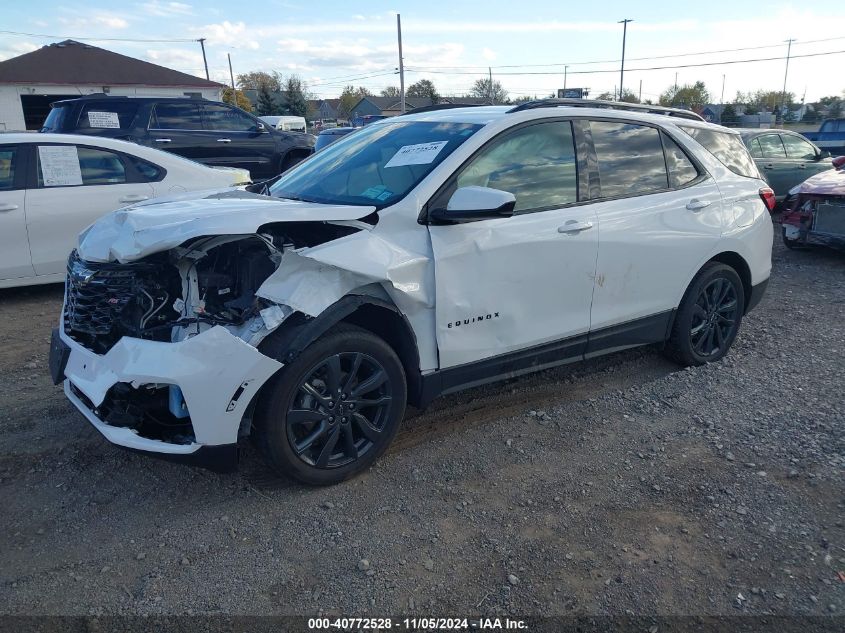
point(100, 39)
point(593, 72)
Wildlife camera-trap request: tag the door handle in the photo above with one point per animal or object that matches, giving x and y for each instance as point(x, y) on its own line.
point(8, 207)
point(162, 140)
point(768, 166)
point(134, 198)
point(224, 140)
point(802, 166)
point(697, 205)
point(573, 227)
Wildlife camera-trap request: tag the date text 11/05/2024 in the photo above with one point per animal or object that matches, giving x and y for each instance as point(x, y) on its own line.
point(416, 624)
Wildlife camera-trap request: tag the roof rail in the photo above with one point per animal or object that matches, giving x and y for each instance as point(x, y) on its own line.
point(613, 105)
point(440, 106)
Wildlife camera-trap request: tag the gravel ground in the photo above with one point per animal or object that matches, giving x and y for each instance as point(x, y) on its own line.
point(618, 486)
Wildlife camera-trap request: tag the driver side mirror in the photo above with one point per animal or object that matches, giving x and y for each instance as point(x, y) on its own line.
point(260, 127)
point(822, 154)
point(470, 204)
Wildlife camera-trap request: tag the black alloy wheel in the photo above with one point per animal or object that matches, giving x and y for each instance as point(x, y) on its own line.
point(340, 410)
point(333, 410)
point(708, 318)
point(714, 318)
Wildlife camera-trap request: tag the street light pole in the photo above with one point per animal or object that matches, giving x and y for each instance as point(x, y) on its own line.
point(624, 24)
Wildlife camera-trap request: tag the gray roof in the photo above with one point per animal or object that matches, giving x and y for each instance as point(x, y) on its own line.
point(75, 63)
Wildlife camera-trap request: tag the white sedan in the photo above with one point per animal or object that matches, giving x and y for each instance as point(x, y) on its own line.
point(54, 185)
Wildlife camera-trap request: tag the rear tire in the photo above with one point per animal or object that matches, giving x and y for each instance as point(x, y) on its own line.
point(332, 411)
point(709, 316)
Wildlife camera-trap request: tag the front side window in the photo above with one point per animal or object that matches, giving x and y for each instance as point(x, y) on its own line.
point(727, 147)
point(771, 146)
point(535, 163)
point(376, 165)
point(797, 148)
point(8, 159)
point(176, 116)
point(630, 158)
point(69, 165)
point(223, 119)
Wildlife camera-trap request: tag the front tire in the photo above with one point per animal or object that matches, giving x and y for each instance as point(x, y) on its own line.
point(331, 412)
point(709, 316)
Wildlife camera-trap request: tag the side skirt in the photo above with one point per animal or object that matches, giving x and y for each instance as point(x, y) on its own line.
point(644, 331)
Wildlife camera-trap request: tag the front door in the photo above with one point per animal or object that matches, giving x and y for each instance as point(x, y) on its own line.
point(510, 284)
point(75, 186)
point(774, 165)
point(176, 126)
point(239, 141)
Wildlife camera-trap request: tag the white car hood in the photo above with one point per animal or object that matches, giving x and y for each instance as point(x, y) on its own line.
point(158, 225)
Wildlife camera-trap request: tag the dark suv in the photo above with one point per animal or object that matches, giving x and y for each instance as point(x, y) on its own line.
point(210, 132)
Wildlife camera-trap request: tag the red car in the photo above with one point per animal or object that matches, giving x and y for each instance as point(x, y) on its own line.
point(815, 210)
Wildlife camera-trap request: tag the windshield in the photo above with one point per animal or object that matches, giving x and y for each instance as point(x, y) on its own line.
point(55, 119)
point(378, 165)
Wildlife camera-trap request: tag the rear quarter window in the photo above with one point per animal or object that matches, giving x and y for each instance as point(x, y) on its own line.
point(116, 115)
point(727, 148)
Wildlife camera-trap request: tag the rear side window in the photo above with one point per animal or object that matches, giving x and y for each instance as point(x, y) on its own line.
point(147, 171)
point(755, 149)
point(107, 115)
point(56, 119)
point(630, 158)
point(680, 167)
point(771, 146)
point(8, 158)
point(69, 165)
point(727, 148)
point(176, 116)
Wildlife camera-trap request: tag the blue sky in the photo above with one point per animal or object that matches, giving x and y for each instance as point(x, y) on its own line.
point(332, 43)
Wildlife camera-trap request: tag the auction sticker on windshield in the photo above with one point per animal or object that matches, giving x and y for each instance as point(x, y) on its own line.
point(421, 154)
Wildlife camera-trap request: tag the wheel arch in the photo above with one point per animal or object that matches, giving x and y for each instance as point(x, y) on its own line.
point(738, 263)
point(373, 314)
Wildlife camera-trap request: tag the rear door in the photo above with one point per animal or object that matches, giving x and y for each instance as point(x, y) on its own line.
point(658, 215)
point(176, 126)
point(15, 261)
point(74, 186)
point(239, 142)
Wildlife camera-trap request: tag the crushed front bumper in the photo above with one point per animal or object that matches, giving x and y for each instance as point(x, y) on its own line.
point(218, 375)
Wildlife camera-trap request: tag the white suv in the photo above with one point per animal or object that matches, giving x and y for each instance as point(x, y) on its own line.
point(422, 254)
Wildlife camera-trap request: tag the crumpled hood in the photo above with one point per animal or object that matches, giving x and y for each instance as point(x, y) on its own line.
point(827, 183)
point(158, 225)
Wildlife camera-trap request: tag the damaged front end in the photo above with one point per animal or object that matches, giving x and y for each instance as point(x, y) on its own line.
point(815, 220)
point(160, 352)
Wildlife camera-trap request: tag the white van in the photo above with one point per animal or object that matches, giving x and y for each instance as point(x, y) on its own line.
point(286, 123)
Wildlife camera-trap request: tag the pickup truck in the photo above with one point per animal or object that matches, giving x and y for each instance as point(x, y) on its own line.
point(831, 136)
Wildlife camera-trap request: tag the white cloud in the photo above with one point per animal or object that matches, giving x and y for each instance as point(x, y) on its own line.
point(104, 20)
point(167, 9)
point(234, 34)
point(18, 48)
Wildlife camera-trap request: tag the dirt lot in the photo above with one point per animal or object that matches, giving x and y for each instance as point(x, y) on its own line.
point(623, 485)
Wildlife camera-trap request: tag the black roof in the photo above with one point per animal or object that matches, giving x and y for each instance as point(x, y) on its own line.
point(76, 63)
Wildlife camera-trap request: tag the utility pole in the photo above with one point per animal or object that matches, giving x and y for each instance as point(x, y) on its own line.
point(624, 24)
point(490, 84)
point(565, 68)
point(785, 75)
point(232, 77)
point(204, 60)
point(722, 100)
point(401, 65)
point(640, 98)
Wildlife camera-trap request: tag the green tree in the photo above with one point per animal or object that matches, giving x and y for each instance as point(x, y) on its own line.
point(629, 96)
point(266, 105)
point(257, 79)
point(297, 102)
point(240, 99)
point(349, 98)
point(391, 91)
point(493, 90)
point(729, 115)
point(424, 89)
point(689, 95)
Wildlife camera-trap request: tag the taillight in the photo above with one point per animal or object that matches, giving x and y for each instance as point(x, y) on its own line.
point(768, 198)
